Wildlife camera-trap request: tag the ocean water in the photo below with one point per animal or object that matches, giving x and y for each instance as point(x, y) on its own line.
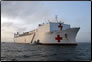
point(27, 52)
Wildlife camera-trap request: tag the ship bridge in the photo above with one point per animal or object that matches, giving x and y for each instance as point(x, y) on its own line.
point(53, 26)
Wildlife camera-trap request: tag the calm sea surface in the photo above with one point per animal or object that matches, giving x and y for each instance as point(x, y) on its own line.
point(27, 52)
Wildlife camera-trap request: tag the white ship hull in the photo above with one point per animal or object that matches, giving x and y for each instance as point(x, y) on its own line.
point(50, 38)
point(68, 36)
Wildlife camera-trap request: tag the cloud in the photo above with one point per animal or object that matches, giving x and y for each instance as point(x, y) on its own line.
point(22, 16)
point(8, 30)
point(10, 27)
point(27, 11)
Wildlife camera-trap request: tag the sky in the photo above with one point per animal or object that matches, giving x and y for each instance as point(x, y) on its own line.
point(23, 16)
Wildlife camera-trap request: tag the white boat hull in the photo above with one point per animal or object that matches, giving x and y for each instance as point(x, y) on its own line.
point(50, 37)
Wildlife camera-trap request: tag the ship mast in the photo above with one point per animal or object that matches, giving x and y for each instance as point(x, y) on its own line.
point(56, 18)
point(48, 20)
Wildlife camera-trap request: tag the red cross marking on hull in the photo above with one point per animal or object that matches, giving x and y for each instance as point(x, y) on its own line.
point(60, 26)
point(58, 38)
